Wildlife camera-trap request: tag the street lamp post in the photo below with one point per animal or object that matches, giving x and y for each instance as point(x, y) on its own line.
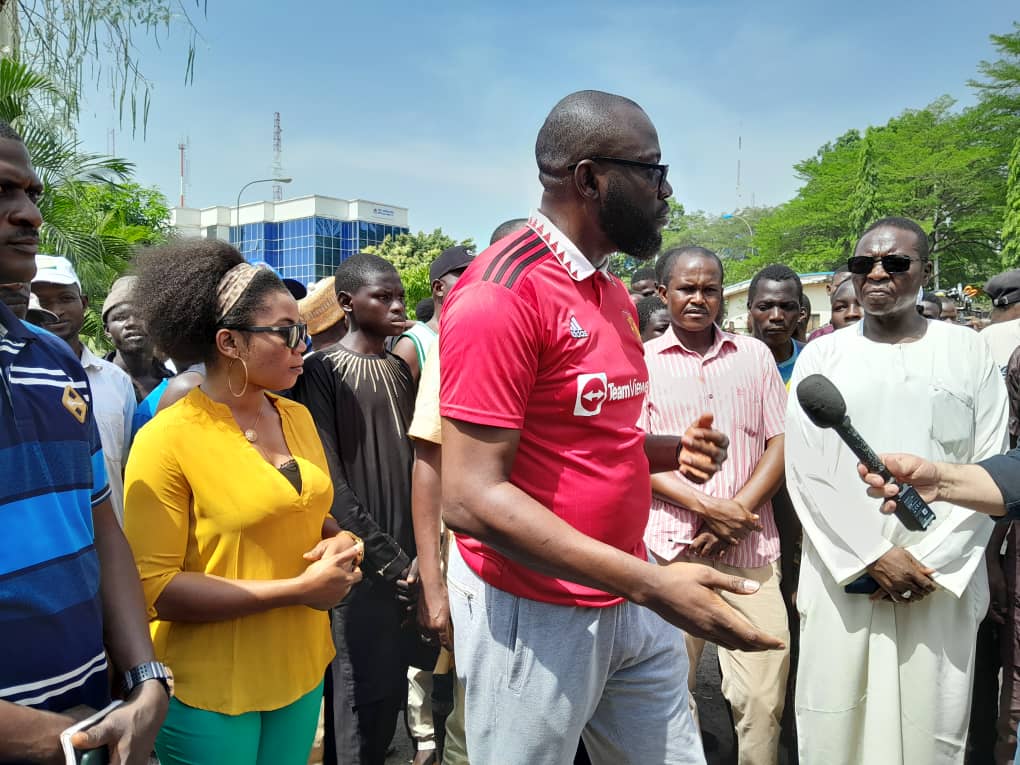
point(750, 231)
point(237, 207)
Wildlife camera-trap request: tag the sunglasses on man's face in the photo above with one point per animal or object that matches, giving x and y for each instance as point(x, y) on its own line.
point(293, 334)
point(657, 172)
point(891, 264)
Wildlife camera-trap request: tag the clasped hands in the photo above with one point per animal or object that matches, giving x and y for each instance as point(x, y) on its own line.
point(901, 577)
point(726, 522)
point(332, 570)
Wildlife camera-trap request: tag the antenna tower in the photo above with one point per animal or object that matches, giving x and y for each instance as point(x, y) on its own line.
point(277, 157)
point(184, 147)
point(740, 146)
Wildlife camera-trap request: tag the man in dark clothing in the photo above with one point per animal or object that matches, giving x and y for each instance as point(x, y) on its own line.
point(361, 398)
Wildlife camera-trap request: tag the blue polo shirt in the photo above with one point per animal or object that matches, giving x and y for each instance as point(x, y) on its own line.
point(51, 619)
point(786, 367)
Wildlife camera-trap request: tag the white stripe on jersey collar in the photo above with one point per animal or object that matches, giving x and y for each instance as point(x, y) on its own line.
point(566, 252)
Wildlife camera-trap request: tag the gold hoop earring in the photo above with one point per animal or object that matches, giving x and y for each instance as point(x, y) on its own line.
point(230, 367)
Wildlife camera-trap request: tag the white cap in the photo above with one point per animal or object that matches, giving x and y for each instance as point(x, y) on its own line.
point(54, 269)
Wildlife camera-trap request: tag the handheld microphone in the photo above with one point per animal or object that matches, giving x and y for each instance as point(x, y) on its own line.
point(825, 407)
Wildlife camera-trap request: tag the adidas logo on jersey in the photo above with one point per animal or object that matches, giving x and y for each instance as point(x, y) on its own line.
point(576, 330)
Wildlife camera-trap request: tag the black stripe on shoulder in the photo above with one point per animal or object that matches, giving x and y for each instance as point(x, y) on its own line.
point(523, 265)
point(509, 249)
point(526, 253)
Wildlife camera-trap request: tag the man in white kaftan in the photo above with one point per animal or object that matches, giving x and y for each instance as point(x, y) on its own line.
point(887, 681)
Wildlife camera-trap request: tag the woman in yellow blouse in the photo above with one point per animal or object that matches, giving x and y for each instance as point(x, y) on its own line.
point(227, 511)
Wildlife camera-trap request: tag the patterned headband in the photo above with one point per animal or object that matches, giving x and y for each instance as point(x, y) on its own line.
point(232, 286)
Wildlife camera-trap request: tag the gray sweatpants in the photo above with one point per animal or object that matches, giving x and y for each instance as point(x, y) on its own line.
point(538, 676)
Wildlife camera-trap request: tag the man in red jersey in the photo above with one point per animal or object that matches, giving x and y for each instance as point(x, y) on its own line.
point(546, 477)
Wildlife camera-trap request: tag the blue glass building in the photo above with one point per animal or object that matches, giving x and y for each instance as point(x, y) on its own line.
point(308, 249)
point(304, 238)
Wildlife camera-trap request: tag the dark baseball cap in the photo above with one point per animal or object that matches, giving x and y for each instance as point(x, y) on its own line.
point(294, 287)
point(1004, 288)
point(451, 259)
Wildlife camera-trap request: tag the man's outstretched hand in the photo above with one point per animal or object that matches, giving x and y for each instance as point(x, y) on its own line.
point(703, 450)
point(905, 468)
point(685, 595)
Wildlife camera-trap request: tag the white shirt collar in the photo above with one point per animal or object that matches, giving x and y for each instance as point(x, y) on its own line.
point(88, 359)
point(566, 252)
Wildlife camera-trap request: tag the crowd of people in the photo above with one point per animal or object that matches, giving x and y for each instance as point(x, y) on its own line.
point(518, 519)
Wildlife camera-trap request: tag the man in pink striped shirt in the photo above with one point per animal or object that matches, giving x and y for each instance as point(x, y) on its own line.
point(726, 523)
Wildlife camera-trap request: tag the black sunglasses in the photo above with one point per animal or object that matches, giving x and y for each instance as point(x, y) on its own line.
point(891, 264)
point(293, 334)
point(659, 170)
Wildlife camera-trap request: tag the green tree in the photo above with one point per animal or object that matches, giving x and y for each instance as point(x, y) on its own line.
point(731, 237)
point(934, 165)
point(133, 212)
point(70, 227)
point(943, 172)
point(73, 42)
point(1011, 220)
point(412, 254)
point(66, 172)
point(1001, 86)
point(863, 203)
point(808, 233)
point(417, 287)
point(999, 109)
point(407, 250)
point(999, 92)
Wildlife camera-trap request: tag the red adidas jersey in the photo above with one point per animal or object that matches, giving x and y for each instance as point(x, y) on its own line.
point(536, 339)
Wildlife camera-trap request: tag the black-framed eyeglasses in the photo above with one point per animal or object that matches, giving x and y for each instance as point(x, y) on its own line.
point(657, 170)
point(891, 264)
point(293, 334)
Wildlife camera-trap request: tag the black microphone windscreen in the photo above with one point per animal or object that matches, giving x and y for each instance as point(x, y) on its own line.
point(821, 401)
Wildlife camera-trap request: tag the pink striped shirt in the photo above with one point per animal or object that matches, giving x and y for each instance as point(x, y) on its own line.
point(737, 381)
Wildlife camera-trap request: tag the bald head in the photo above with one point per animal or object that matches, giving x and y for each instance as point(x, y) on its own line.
point(506, 228)
point(585, 124)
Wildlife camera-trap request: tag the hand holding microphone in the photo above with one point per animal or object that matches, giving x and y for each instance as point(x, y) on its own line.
point(825, 407)
point(905, 468)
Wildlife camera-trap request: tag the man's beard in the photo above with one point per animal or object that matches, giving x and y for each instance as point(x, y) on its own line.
point(630, 229)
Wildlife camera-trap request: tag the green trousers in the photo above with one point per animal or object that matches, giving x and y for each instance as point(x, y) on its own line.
point(283, 736)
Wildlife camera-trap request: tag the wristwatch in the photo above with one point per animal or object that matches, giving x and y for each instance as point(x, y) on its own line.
point(150, 670)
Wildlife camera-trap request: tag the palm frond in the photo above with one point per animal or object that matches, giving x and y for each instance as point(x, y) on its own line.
point(98, 246)
point(19, 85)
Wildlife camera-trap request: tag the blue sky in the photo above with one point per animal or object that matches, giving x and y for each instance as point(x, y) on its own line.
point(435, 106)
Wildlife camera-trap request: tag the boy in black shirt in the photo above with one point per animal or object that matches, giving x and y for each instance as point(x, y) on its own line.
point(361, 397)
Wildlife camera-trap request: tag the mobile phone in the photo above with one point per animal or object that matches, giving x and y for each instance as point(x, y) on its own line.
point(100, 756)
point(865, 584)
